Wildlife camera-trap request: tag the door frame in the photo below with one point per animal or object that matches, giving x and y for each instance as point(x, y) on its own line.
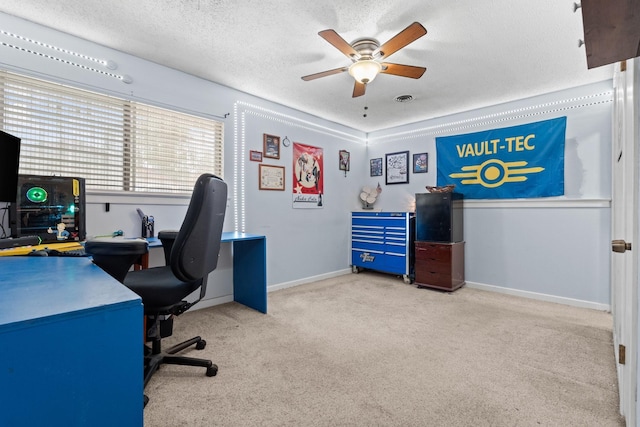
point(624, 226)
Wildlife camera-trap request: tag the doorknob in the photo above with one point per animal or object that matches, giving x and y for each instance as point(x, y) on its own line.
point(620, 246)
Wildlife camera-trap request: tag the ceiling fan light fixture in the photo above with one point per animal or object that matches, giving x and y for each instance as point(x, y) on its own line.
point(365, 70)
point(367, 56)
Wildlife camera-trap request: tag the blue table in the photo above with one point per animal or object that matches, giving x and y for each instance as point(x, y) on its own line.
point(249, 268)
point(70, 348)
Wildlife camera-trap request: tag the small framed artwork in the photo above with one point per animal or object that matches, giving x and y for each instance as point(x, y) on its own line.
point(271, 147)
point(420, 163)
point(375, 167)
point(397, 167)
point(344, 160)
point(271, 177)
point(255, 156)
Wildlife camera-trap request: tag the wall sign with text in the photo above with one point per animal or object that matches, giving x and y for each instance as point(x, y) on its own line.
point(515, 162)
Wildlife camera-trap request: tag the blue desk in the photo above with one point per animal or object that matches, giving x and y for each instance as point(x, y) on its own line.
point(249, 268)
point(70, 348)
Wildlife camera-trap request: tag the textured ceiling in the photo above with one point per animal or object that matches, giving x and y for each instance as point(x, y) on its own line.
point(477, 53)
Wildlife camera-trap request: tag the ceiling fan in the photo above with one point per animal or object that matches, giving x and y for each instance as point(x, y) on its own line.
point(367, 55)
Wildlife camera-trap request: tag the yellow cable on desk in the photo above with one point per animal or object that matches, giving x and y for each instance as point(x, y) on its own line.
point(25, 250)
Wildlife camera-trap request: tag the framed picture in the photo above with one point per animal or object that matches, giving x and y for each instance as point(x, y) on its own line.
point(397, 168)
point(307, 176)
point(344, 160)
point(271, 177)
point(271, 147)
point(420, 163)
point(255, 156)
point(375, 167)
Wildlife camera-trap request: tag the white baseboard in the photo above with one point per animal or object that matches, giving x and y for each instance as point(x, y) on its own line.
point(306, 280)
point(210, 302)
point(541, 297)
point(491, 288)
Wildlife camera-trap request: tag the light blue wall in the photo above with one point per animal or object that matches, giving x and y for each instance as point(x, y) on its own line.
point(302, 244)
point(553, 248)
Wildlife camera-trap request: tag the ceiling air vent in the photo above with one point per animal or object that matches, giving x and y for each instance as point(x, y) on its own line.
point(404, 98)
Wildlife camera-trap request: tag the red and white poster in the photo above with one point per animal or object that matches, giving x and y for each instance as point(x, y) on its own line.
point(308, 178)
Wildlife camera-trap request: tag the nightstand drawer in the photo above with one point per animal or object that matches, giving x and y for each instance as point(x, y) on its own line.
point(430, 278)
point(433, 251)
point(434, 266)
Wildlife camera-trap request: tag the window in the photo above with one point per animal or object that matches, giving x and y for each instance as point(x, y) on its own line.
point(117, 145)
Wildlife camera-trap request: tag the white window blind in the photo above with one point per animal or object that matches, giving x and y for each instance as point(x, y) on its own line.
point(115, 144)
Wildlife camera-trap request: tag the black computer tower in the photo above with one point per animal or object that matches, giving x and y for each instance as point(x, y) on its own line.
point(439, 217)
point(45, 203)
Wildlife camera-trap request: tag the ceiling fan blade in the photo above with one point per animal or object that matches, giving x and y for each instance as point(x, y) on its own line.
point(358, 89)
point(400, 40)
point(403, 70)
point(324, 73)
point(339, 43)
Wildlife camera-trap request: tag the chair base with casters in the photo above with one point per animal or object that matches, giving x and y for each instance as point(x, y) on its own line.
point(190, 255)
point(154, 357)
point(161, 326)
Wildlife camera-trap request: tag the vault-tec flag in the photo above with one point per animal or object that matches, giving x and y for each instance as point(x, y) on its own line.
point(515, 162)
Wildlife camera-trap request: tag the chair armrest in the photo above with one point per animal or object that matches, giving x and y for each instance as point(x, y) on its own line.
point(167, 238)
point(116, 256)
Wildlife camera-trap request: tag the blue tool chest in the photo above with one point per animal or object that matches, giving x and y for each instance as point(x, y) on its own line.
point(383, 241)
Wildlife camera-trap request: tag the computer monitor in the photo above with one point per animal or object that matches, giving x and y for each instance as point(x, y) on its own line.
point(9, 162)
point(50, 207)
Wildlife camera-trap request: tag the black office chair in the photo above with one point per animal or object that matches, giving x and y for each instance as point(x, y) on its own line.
point(190, 255)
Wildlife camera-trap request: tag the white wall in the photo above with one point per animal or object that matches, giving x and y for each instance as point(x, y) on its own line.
point(550, 248)
point(302, 244)
point(523, 246)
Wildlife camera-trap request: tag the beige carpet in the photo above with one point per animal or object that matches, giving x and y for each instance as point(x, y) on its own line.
point(369, 350)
